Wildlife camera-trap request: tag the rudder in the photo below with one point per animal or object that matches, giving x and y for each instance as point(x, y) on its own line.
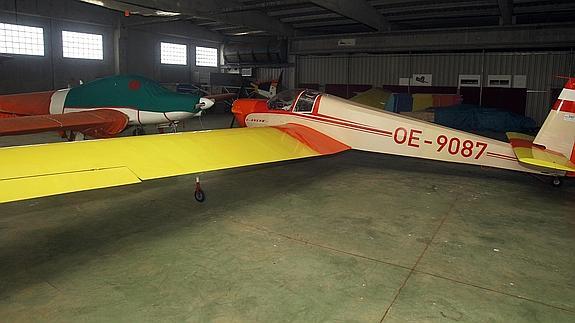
point(558, 131)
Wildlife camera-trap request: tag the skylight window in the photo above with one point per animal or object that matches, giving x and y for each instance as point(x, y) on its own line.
point(206, 56)
point(23, 40)
point(174, 54)
point(82, 45)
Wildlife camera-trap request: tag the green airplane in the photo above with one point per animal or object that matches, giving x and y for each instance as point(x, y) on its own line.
point(101, 108)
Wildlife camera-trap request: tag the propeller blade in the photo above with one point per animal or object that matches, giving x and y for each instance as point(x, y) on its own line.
point(218, 97)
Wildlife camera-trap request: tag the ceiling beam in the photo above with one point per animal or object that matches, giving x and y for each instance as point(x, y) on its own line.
point(215, 9)
point(175, 27)
point(506, 10)
point(255, 20)
point(358, 10)
point(494, 37)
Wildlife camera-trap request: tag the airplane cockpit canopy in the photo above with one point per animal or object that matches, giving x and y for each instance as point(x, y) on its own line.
point(285, 100)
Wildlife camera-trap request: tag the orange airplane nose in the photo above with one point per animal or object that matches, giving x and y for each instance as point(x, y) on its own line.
point(243, 107)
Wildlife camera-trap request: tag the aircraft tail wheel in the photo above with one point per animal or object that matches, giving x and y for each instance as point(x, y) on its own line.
point(199, 194)
point(556, 182)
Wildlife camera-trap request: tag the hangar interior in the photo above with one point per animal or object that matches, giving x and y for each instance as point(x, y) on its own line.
point(354, 237)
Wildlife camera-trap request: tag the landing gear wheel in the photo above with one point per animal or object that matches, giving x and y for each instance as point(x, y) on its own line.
point(556, 182)
point(138, 131)
point(200, 196)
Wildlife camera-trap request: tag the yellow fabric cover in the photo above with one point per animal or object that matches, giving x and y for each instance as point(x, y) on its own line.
point(49, 169)
point(422, 102)
point(376, 97)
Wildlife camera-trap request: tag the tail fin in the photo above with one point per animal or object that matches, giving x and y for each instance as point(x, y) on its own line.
point(558, 131)
point(276, 85)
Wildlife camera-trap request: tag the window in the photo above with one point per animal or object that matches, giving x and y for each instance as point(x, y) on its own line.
point(283, 100)
point(175, 54)
point(82, 45)
point(206, 56)
point(24, 40)
point(499, 80)
point(306, 101)
point(469, 80)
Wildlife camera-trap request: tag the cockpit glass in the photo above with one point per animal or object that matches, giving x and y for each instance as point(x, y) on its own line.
point(283, 100)
point(306, 101)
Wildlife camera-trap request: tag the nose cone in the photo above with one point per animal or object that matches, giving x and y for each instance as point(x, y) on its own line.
point(205, 103)
point(243, 107)
point(178, 115)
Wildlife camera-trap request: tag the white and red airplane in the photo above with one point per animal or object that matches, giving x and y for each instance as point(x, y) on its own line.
point(294, 124)
point(359, 127)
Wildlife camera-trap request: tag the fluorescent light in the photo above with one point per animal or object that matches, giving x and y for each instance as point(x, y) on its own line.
point(167, 13)
point(96, 2)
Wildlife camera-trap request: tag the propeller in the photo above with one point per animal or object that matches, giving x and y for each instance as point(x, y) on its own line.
point(205, 103)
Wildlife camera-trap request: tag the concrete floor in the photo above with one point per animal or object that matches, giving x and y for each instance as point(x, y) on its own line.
point(356, 237)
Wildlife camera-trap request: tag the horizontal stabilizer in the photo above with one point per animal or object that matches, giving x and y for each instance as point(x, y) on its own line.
point(534, 155)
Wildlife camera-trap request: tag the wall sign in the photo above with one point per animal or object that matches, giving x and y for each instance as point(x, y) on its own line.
point(422, 80)
point(346, 42)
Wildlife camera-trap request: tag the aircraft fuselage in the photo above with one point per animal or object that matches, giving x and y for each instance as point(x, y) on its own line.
point(368, 129)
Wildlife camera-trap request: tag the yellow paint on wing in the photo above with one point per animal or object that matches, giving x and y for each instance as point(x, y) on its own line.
point(29, 168)
point(38, 186)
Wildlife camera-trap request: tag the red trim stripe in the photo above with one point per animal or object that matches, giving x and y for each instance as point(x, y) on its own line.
point(500, 156)
point(564, 106)
point(570, 84)
point(339, 119)
point(352, 127)
point(316, 104)
point(335, 121)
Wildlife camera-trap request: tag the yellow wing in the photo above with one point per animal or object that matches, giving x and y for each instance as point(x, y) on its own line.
point(49, 169)
point(531, 154)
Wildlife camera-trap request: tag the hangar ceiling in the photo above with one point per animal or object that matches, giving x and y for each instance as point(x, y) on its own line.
point(325, 17)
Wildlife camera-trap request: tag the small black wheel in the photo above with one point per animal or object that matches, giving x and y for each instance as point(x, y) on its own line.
point(556, 182)
point(200, 196)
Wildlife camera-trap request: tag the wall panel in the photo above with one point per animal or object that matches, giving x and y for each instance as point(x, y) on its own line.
point(379, 69)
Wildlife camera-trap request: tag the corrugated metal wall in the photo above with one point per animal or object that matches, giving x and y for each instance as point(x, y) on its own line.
point(540, 68)
point(268, 73)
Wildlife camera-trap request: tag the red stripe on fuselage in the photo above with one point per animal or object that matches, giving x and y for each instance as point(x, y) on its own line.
point(347, 123)
point(564, 106)
point(500, 156)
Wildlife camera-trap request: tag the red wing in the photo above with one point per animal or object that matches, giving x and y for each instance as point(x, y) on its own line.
point(95, 123)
